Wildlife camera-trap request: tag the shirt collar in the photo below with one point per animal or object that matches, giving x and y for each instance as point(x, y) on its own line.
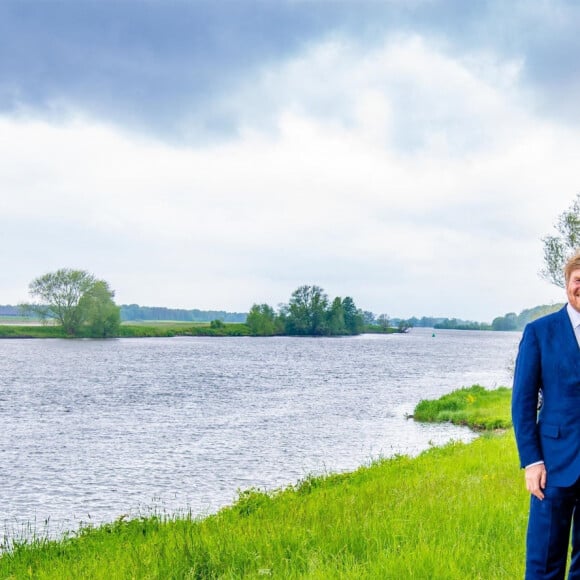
point(574, 316)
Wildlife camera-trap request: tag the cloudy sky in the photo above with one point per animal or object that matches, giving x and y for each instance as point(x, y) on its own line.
point(213, 154)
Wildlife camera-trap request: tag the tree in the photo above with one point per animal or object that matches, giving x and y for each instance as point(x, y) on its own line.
point(507, 322)
point(307, 311)
point(77, 300)
point(353, 317)
point(404, 325)
point(369, 317)
point(262, 320)
point(383, 321)
point(101, 315)
point(335, 318)
point(557, 249)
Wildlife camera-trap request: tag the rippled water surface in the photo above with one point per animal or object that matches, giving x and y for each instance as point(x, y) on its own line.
point(91, 430)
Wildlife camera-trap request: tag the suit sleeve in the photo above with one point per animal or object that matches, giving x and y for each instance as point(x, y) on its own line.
point(527, 383)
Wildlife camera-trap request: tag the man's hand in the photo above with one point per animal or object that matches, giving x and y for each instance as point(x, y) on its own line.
point(536, 480)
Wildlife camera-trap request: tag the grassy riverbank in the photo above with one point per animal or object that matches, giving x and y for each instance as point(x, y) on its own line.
point(171, 328)
point(474, 406)
point(453, 512)
point(31, 331)
point(151, 329)
point(139, 330)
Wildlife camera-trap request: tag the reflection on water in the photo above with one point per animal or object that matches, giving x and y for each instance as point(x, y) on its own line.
point(95, 429)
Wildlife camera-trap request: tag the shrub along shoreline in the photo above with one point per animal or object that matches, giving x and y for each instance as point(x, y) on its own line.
point(457, 511)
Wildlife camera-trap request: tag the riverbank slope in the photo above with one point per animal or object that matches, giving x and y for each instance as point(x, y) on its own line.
point(453, 512)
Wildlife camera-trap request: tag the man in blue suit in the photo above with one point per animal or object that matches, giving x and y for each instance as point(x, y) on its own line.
point(549, 441)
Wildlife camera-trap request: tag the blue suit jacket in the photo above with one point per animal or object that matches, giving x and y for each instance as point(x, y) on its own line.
point(549, 359)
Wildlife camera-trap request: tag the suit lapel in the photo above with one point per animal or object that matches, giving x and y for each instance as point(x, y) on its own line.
point(569, 342)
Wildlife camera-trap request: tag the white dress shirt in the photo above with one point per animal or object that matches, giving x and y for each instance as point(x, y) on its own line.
point(574, 316)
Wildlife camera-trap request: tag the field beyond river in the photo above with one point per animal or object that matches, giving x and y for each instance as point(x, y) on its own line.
point(457, 511)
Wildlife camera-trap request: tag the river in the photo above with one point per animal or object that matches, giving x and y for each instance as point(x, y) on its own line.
point(91, 430)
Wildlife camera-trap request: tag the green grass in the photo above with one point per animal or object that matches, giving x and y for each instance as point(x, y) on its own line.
point(164, 329)
point(475, 406)
point(164, 323)
point(453, 512)
point(31, 331)
point(145, 329)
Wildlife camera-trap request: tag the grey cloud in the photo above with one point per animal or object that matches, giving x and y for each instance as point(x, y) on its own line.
point(141, 62)
point(167, 66)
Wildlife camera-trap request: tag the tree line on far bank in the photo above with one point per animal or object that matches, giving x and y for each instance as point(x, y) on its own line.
point(134, 312)
point(510, 321)
point(513, 321)
point(310, 312)
point(83, 306)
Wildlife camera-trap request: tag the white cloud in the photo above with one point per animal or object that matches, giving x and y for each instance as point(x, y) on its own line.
point(415, 182)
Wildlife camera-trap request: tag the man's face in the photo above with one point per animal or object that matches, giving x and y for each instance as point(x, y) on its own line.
point(573, 289)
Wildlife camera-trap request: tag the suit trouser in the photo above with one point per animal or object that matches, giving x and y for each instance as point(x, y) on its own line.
point(548, 535)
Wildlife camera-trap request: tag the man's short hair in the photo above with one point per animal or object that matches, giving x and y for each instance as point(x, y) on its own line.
point(572, 264)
